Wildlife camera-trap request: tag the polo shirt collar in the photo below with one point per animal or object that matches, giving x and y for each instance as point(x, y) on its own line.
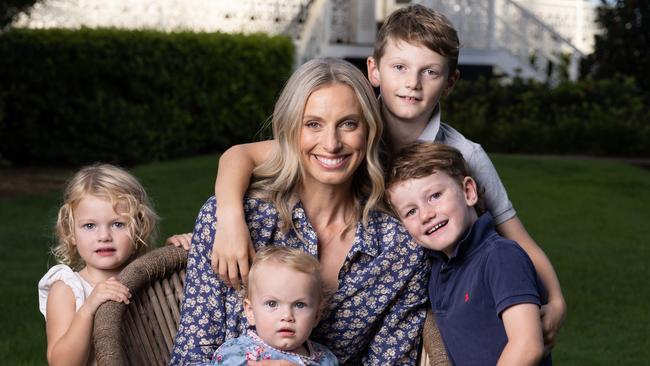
point(431, 130)
point(475, 237)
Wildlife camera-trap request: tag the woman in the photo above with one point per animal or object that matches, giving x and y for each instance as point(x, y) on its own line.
point(318, 192)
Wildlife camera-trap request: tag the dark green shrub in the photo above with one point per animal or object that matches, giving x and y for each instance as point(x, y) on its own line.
point(588, 117)
point(70, 97)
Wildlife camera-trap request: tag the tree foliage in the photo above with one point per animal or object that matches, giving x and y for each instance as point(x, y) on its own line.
point(623, 45)
point(10, 8)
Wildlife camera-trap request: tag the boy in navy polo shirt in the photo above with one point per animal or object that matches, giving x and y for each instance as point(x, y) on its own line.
point(483, 288)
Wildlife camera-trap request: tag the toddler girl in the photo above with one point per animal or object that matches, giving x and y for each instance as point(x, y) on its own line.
point(105, 221)
point(284, 300)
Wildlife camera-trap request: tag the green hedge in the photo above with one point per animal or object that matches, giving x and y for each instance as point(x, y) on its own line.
point(70, 97)
point(588, 117)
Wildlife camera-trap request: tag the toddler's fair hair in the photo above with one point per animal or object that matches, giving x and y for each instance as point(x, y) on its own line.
point(295, 259)
point(118, 187)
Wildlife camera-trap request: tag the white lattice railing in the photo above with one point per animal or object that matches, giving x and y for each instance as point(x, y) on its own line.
point(338, 28)
point(503, 25)
point(314, 37)
point(514, 39)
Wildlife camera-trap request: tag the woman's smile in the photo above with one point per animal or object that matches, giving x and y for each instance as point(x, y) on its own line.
point(332, 136)
point(332, 163)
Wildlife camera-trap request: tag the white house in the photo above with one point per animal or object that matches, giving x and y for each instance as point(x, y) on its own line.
point(510, 37)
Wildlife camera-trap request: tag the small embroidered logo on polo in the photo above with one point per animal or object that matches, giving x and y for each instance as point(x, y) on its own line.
point(467, 297)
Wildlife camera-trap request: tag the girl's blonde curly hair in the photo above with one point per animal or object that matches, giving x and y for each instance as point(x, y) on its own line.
point(117, 186)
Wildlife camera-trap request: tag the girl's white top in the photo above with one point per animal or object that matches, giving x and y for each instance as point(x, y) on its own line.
point(80, 287)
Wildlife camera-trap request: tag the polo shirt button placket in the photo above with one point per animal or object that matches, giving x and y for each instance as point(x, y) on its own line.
point(445, 274)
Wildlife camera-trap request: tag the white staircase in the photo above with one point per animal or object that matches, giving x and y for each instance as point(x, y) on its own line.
point(504, 34)
point(497, 33)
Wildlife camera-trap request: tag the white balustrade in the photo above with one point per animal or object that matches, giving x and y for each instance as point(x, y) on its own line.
point(498, 27)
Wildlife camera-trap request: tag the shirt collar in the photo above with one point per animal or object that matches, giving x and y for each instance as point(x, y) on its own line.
point(364, 240)
point(303, 230)
point(313, 356)
point(431, 129)
point(473, 240)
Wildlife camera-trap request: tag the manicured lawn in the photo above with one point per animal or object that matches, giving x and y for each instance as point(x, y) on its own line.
point(590, 217)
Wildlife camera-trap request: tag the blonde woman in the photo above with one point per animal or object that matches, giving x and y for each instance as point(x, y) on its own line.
point(319, 192)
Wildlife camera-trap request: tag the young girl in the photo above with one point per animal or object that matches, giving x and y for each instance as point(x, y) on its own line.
point(284, 300)
point(105, 221)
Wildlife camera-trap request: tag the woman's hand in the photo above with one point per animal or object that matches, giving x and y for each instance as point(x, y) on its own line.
point(180, 240)
point(553, 316)
point(232, 250)
point(110, 289)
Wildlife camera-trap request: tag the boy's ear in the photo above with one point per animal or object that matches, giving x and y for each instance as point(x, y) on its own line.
point(248, 310)
point(373, 71)
point(451, 81)
point(470, 191)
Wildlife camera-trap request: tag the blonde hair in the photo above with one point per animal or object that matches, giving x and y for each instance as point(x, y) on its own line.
point(419, 25)
point(277, 178)
point(117, 186)
point(295, 259)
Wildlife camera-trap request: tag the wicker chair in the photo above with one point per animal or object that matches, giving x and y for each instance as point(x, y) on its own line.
point(433, 351)
point(142, 333)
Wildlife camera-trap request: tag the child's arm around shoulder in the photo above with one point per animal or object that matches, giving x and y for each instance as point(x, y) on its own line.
point(524, 330)
point(553, 313)
point(496, 199)
point(69, 331)
point(232, 248)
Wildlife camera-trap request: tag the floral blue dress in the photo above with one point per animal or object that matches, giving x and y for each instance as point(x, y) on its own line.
point(374, 318)
point(250, 347)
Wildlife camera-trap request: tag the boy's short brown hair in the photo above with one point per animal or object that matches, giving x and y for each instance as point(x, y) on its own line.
point(421, 159)
point(419, 25)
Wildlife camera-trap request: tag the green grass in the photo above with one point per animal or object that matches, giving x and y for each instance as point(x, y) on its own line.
point(590, 217)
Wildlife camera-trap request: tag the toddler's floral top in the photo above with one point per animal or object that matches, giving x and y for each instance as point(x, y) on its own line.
point(251, 347)
point(374, 318)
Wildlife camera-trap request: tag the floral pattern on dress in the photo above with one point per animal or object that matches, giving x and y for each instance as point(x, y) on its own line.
point(250, 347)
point(374, 318)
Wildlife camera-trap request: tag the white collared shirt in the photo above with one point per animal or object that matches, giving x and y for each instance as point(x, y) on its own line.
point(480, 166)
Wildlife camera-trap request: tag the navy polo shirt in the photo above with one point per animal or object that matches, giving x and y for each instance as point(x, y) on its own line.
point(486, 274)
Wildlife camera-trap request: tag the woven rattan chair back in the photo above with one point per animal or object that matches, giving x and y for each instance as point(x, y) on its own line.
point(433, 351)
point(142, 333)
